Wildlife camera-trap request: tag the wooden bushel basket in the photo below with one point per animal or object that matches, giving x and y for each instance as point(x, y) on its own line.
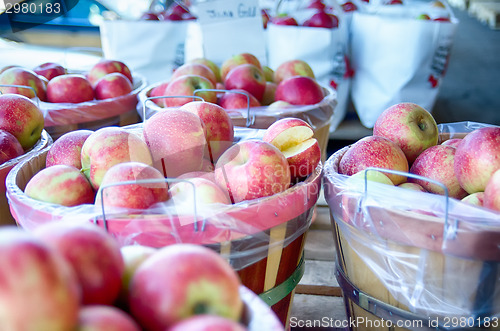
point(61, 118)
point(263, 238)
point(5, 216)
point(413, 260)
point(319, 116)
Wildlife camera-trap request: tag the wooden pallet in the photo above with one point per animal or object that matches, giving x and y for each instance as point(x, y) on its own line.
point(486, 11)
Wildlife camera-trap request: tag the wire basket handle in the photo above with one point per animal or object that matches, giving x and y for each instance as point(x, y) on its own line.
point(23, 86)
point(166, 97)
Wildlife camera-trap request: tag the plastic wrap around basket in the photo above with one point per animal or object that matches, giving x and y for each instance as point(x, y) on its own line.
point(262, 238)
point(414, 259)
point(319, 116)
point(257, 316)
point(5, 216)
point(65, 117)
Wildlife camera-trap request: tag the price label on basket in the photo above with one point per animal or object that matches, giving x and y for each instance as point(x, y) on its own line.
point(235, 25)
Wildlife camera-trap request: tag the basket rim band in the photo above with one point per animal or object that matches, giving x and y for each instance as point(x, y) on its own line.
point(279, 292)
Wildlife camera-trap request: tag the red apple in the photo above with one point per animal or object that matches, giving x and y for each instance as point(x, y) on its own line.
point(109, 146)
point(133, 256)
point(269, 93)
point(265, 17)
point(374, 151)
point(38, 289)
point(452, 142)
point(177, 141)
point(111, 86)
point(410, 126)
point(107, 66)
point(93, 254)
point(23, 77)
point(70, 88)
point(195, 69)
point(322, 19)
point(317, 4)
point(280, 104)
point(60, 184)
point(10, 147)
point(247, 77)
point(49, 70)
point(158, 91)
point(348, 6)
point(476, 199)
point(181, 280)
point(294, 138)
point(205, 194)
point(284, 20)
point(67, 149)
point(236, 60)
point(238, 99)
point(477, 158)
point(133, 196)
point(492, 192)
point(207, 323)
point(252, 169)
point(442, 19)
point(212, 65)
point(299, 90)
point(22, 118)
point(105, 318)
point(186, 85)
point(436, 163)
point(218, 126)
point(423, 17)
point(149, 16)
point(292, 68)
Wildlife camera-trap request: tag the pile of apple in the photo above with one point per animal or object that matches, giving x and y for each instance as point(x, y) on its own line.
point(52, 83)
point(192, 142)
point(21, 126)
point(174, 12)
point(66, 276)
point(248, 84)
point(319, 16)
point(405, 138)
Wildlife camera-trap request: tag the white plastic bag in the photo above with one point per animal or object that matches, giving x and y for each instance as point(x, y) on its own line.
point(398, 58)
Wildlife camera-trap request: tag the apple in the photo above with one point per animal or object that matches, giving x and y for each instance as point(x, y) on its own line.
point(39, 291)
point(423, 17)
point(377, 176)
point(158, 91)
point(212, 65)
point(205, 194)
point(247, 77)
point(264, 12)
point(23, 77)
point(69, 88)
point(476, 199)
point(105, 318)
point(181, 280)
point(136, 195)
point(349, 6)
point(317, 4)
point(292, 68)
point(452, 142)
point(111, 86)
point(109, 146)
point(374, 151)
point(22, 118)
point(133, 256)
point(322, 19)
point(477, 157)
point(412, 186)
point(107, 66)
point(269, 93)
point(186, 85)
point(442, 19)
point(238, 99)
point(268, 73)
point(294, 138)
point(93, 254)
point(149, 16)
point(195, 69)
point(394, 2)
point(49, 70)
point(236, 60)
point(492, 192)
point(177, 141)
point(284, 19)
point(10, 147)
point(218, 126)
point(299, 90)
point(67, 149)
point(208, 175)
point(252, 169)
point(207, 322)
point(60, 184)
point(410, 126)
point(168, 16)
point(280, 104)
point(436, 163)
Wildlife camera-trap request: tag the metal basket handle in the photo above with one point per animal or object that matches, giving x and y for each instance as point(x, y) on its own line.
point(150, 181)
point(166, 97)
point(250, 120)
point(26, 87)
